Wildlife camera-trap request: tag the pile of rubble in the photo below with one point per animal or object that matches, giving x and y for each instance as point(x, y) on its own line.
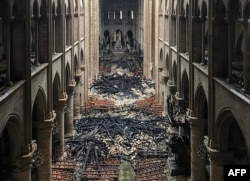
point(120, 134)
point(119, 82)
point(121, 121)
point(122, 89)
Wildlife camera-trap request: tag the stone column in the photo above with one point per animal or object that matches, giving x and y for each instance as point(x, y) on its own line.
point(77, 98)
point(69, 116)
point(217, 161)
point(22, 165)
point(84, 89)
point(198, 171)
point(44, 141)
point(58, 141)
point(147, 20)
point(22, 168)
point(166, 92)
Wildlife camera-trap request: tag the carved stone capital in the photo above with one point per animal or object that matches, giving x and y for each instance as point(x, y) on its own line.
point(49, 121)
point(23, 162)
point(219, 157)
point(172, 88)
point(193, 120)
point(178, 96)
point(164, 77)
point(71, 87)
point(78, 76)
point(60, 103)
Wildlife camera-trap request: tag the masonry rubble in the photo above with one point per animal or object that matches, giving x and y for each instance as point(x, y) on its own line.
point(121, 122)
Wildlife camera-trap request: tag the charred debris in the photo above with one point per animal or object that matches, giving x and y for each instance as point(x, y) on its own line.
point(122, 128)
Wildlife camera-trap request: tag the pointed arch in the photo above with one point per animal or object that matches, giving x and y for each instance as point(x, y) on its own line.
point(53, 9)
point(166, 68)
point(200, 101)
point(187, 10)
point(166, 6)
point(67, 74)
point(229, 135)
point(56, 86)
point(160, 8)
point(197, 11)
point(40, 99)
point(220, 10)
point(39, 111)
point(82, 5)
point(82, 57)
point(182, 9)
point(174, 7)
point(43, 8)
point(69, 6)
point(161, 59)
point(11, 145)
point(246, 11)
point(75, 7)
point(35, 9)
point(59, 8)
point(234, 9)
point(185, 87)
point(204, 9)
point(240, 44)
point(14, 128)
point(175, 72)
point(76, 66)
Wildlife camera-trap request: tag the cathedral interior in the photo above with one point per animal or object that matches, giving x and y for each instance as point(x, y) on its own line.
point(114, 90)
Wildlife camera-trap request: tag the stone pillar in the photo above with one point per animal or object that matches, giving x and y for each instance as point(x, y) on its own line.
point(147, 20)
point(159, 84)
point(217, 161)
point(69, 116)
point(22, 168)
point(84, 89)
point(77, 97)
point(166, 92)
point(58, 141)
point(198, 171)
point(44, 141)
